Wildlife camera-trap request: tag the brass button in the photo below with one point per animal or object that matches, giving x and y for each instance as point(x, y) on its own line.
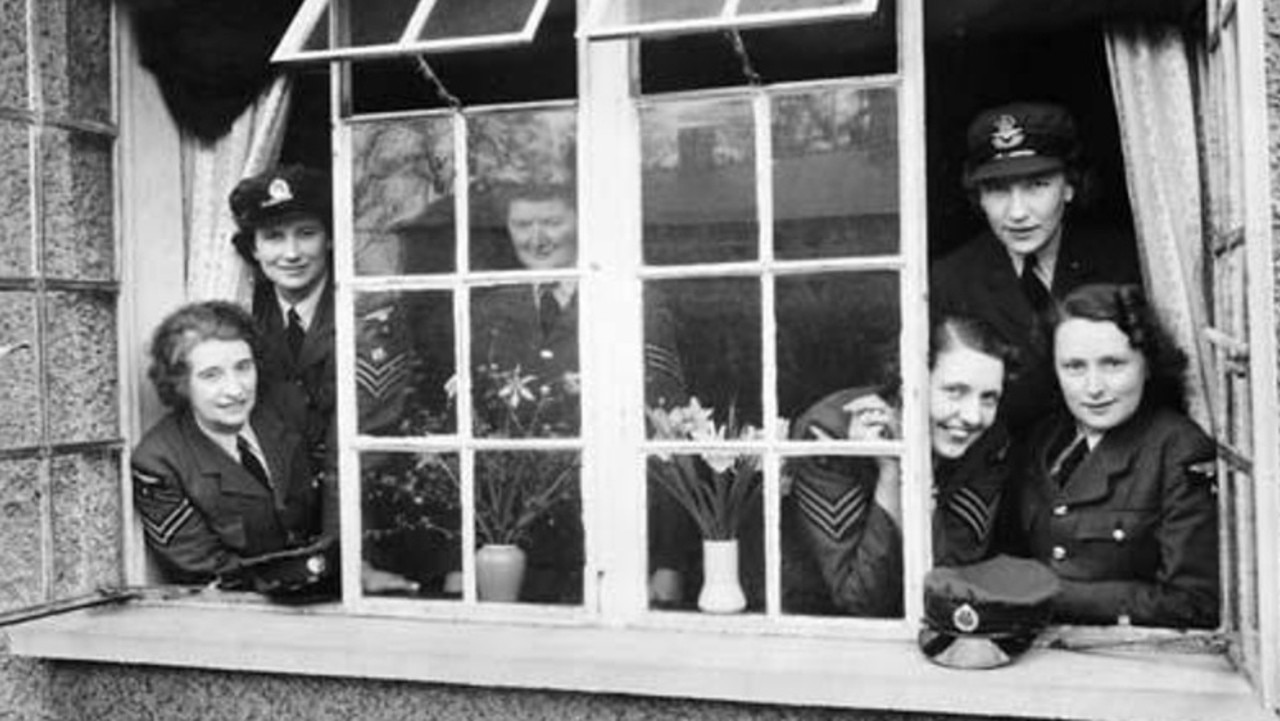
point(1060, 510)
point(1059, 553)
point(1118, 534)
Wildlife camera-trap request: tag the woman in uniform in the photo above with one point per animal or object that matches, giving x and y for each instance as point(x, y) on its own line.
point(1120, 498)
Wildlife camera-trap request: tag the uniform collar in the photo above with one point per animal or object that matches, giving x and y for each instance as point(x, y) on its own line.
point(305, 308)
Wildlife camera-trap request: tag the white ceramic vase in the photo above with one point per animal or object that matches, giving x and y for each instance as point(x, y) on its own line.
point(721, 589)
point(499, 572)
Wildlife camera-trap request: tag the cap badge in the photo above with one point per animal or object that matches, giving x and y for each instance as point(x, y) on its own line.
point(1006, 134)
point(278, 192)
point(965, 618)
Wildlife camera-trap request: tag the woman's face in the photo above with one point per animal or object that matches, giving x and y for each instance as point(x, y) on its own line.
point(1102, 375)
point(964, 393)
point(222, 383)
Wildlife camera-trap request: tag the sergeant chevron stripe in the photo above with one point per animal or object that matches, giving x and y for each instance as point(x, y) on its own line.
point(972, 510)
point(833, 516)
point(378, 379)
point(161, 533)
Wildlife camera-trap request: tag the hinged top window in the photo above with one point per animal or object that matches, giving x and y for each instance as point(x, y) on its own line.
point(345, 30)
point(623, 18)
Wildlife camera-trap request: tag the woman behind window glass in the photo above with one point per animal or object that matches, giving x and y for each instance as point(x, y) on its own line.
point(1120, 500)
point(220, 480)
point(855, 566)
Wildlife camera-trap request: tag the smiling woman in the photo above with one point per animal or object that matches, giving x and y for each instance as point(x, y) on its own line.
point(219, 480)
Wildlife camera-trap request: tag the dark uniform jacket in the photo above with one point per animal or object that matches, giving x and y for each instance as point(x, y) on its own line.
point(302, 392)
point(968, 492)
point(979, 280)
point(1133, 531)
point(203, 513)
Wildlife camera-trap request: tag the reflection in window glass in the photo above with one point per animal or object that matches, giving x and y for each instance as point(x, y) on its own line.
point(402, 180)
point(718, 340)
point(527, 156)
point(467, 18)
point(524, 361)
point(836, 330)
point(841, 527)
point(531, 503)
point(404, 363)
point(699, 181)
point(412, 519)
point(835, 173)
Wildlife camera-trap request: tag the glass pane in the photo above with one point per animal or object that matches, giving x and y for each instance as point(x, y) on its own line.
point(405, 363)
point(372, 22)
point(83, 381)
point(75, 57)
point(86, 522)
point(841, 539)
point(19, 371)
point(13, 54)
point(21, 533)
point(467, 18)
point(835, 173)
point(411, 506)
point(664, 378)
point(319, 37)
point(402, 193)
point(836, 331)
point(645, 11)
point(528, 511)
point(15, 201)
point(79, 232)
point(524, 361)
point(718, 337)
point(749, 7)
point(523, 194)
point(699, 181)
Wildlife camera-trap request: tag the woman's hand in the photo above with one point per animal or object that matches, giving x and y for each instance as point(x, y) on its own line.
point(872, 418)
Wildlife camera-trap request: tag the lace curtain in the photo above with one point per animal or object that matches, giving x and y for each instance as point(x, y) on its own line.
point(210, 171)
point(1151, 82)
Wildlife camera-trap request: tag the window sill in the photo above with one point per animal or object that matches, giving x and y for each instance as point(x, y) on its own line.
point(1045, 683)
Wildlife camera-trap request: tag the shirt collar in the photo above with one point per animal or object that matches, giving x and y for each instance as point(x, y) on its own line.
point(305, 308)
point(563, 291)
point(1046, 260)
point(227, 441)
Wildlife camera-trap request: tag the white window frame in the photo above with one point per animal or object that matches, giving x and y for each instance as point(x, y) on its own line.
point(290, 48)
point(698, 660)
point(602, 24)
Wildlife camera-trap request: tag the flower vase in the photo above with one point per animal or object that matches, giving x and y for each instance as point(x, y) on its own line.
point(721, 589)
point(499, 572)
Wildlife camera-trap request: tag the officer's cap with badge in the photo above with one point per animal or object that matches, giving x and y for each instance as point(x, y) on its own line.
point(986, 614)
point(276, 193)
point(1020, 139)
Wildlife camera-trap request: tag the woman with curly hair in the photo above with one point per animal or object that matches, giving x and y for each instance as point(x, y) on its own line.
point(220, 480)
point(1119, 497)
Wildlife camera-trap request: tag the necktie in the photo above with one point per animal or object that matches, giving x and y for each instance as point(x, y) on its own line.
point(293, 333)
point(1032, 287)
point(1068, 460)
point(548, 308)
point(250, 461)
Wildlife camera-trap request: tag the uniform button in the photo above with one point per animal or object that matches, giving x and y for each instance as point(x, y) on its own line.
point(1060, 510)
point(1118, 534)
point(1059, 553)
point(546, 354)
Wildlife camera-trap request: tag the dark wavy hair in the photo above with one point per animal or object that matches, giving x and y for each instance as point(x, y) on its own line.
point(1126, 306)
point(955, 331)
point(183, 330)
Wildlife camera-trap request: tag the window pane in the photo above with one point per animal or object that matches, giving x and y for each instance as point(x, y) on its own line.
point(402, 192)
point(523, 160)
point(524, 361)
point(405, 363)
point(319, 37)
point(466, 18)
point(531, 500)
point(640, 11)
point(836, 330)
point(841, 534)
point(835, 173)
point(78, 235)
point(708, 496)
point(84, 383)
point(717, 337)
point(412, 513)
point(699, 181)
point(373, 22)
point(19, 370)
point(15, 201)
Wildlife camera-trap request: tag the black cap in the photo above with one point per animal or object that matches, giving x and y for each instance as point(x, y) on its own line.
point(281, 191)
point(1019, 139)
point(984, 615)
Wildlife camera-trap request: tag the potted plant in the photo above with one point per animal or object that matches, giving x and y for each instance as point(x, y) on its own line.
point(715, 487)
